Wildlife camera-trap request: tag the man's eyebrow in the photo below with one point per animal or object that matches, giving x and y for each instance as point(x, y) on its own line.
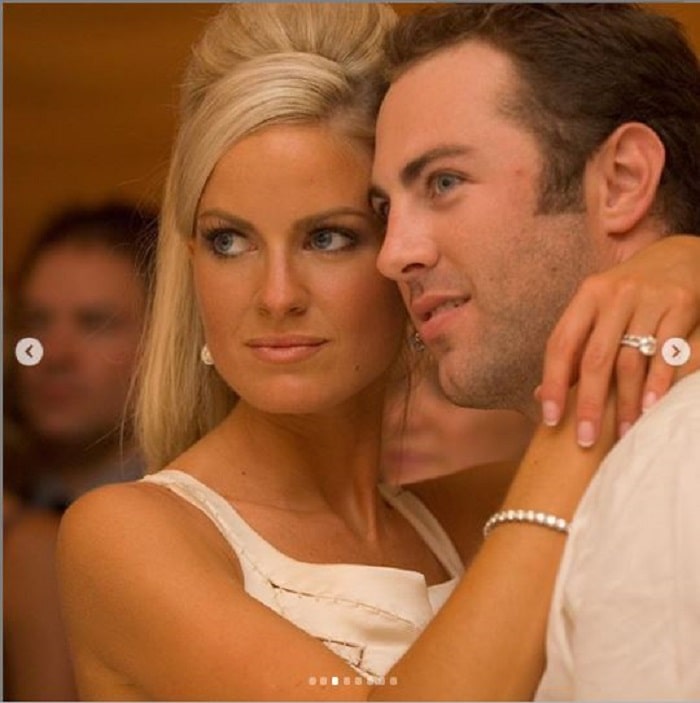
point(412, 170)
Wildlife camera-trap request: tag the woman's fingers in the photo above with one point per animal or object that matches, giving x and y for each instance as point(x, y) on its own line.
point(585, 347)
point(683, 323)
point(563, 355)
point(604, 363)
point(633, 364)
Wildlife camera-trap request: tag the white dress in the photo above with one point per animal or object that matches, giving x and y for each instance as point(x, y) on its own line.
point(368, 615)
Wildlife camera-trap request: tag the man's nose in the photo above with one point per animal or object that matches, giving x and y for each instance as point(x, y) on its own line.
point(408, 247)
point(61, 345)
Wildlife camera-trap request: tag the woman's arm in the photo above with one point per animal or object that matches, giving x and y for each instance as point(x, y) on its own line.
point(151, 593)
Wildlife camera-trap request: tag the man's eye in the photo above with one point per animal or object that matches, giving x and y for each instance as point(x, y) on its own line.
point(331, 240)
point(440, 183)
point(97, 321)
point(227, 242)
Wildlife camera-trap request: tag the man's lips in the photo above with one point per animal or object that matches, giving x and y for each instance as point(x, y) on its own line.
point(427, 306)
point(431, 312)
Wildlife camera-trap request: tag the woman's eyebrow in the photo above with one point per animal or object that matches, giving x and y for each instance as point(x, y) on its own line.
point(233, 220)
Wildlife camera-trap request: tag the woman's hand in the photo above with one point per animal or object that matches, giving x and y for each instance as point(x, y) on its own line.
point(655, 292)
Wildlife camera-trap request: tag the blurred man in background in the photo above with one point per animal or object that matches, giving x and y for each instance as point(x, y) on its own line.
point(81, 292)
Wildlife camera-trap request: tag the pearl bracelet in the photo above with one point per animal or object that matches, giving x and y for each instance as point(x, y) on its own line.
point(532, 516)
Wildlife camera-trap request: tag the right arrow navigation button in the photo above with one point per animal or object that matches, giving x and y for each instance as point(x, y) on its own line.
point(675, 351)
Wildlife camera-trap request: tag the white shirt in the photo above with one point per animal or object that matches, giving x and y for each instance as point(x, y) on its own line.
point(625, 618)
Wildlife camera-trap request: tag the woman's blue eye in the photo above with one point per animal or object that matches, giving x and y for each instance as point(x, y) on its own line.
point(227, 243)
point(331, 240)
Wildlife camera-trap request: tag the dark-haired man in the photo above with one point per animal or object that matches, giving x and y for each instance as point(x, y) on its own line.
point(81, 292)
point(521, 148)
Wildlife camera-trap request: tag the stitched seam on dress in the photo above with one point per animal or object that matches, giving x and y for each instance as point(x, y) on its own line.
point(346, 601)
point(211, 511)
point(357, 650)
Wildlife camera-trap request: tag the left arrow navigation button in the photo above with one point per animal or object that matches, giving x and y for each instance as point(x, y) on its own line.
point(29, 351)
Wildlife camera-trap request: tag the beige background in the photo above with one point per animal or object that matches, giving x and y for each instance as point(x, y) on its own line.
point(89, 103)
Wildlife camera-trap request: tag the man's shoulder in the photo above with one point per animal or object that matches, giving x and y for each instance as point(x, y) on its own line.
point(683, 397)
point(671, 427)
point(621, 618)
point(651, 477)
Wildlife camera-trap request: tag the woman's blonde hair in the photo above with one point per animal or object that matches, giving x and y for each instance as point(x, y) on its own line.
point(256, 65)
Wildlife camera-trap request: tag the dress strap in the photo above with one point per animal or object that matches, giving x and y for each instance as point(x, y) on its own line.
point(249, 544)
point(244, 540)
point(426, 525)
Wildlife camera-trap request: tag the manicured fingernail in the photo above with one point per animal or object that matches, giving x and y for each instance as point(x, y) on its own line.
point(649, 399)
point(537, 393)
point(550, 413)
point(585, 433)
point(624, 428)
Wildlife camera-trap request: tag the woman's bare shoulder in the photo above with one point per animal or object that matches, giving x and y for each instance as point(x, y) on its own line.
point(139, 516)
point(131, 557)
point(138, 570)
point(463, 501)
point(113, 511)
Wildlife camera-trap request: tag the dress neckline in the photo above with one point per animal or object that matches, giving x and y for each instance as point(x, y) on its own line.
point(252, 542)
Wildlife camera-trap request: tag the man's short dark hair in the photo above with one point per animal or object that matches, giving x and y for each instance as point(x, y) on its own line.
point(585, 70)
point(119, 227)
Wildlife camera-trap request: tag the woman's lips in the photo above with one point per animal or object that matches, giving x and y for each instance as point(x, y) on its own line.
point(287, 349)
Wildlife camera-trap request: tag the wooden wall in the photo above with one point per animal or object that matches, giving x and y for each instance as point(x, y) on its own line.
point(89, 96)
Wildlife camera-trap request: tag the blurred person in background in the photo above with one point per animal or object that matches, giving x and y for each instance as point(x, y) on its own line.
point(82, 292)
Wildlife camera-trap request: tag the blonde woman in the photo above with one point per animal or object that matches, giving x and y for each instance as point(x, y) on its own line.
point(261, 559)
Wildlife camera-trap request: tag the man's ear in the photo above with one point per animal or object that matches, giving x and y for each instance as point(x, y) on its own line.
point(623, 177)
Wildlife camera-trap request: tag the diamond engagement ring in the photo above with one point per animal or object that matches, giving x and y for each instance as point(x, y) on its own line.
point(645, 344)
